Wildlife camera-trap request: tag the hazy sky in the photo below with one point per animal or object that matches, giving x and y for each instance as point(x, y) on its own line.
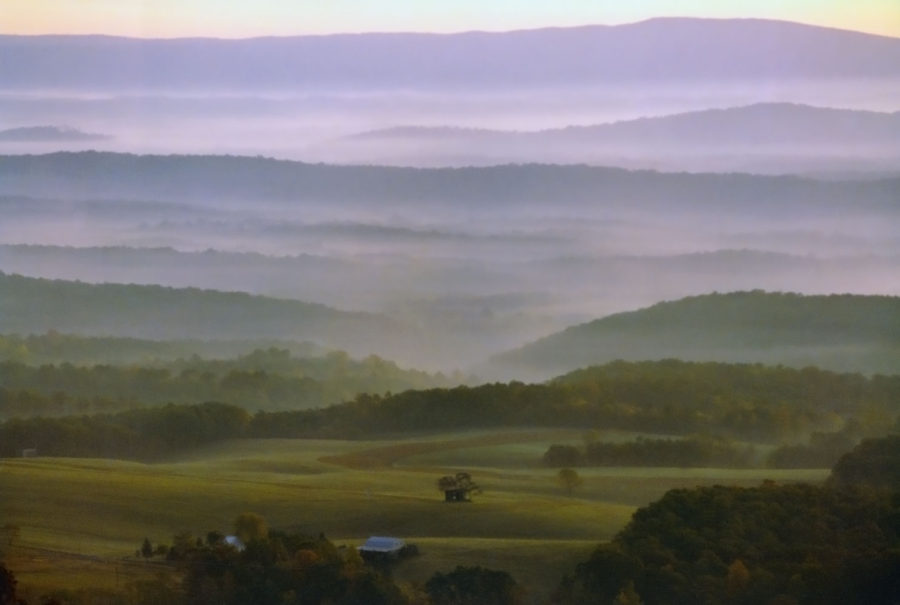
point(247, 18)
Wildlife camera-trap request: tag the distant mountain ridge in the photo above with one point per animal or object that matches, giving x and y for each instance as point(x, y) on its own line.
point(48, 133)
point(757, 124)
point(654, 50)
point(848, 332)
point(85, 175)
point(770, 138)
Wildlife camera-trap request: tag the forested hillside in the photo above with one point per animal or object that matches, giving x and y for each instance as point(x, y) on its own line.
point(803, 544)
point(29, 306)
point(841, 332)
point(269, 379)
point(750, 402)
point(54, 347)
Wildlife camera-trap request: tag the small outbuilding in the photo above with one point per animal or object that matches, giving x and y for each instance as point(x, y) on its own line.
point(235, 543)
point(456, 495)
point(458, 487)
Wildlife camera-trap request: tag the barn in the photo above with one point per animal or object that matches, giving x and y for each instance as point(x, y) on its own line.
point(381, 547)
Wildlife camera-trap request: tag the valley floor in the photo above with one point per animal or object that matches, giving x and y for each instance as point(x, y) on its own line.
point(81, 520)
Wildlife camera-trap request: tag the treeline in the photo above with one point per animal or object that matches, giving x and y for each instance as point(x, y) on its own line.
point(802, 544)
point(270, 379)
point(280, 567)
point(821, 451)
point(752, 401)
point(669, 397)
point(693, 451)
point(136, 434)
point(53, 347)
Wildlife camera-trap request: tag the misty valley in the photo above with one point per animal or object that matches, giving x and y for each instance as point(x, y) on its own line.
point(568, 315)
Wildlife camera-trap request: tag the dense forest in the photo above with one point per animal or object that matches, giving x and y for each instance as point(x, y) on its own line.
point(801, 544)
point(270, 379)
point(740, 401)
point(859, 333)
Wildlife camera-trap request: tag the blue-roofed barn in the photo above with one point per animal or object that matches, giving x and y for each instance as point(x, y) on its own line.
point(382, 546)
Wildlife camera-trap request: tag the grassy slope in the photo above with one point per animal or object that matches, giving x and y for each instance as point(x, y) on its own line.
point(106, 508)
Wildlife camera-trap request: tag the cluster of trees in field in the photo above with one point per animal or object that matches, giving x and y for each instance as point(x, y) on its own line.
point(822, 450)
point(838, 543)
point(280, 567)
point(695, 450)
point(751, 402)
point(271, 379)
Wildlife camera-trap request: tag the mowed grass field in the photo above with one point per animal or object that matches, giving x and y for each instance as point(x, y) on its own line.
point(94, 514)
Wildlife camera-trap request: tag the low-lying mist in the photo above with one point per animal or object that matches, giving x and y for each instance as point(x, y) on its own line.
point(322, 125)
point(475, 261)
point(470, 281)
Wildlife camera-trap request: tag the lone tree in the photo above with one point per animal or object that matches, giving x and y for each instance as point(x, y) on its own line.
point(457, 487)
point(569, 479)
point(146, 549)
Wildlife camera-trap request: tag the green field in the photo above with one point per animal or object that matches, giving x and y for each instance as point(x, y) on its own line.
point(97, 512)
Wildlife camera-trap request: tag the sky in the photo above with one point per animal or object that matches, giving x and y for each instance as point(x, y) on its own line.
point(251, 18)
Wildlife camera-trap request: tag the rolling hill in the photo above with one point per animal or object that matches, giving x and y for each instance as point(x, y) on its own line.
point(36, 306)
point(757, 124)
point(763, 137)
point(220, 179)
point(842, 332)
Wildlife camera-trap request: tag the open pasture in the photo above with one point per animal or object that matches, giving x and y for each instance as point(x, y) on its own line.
point(348, 490)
